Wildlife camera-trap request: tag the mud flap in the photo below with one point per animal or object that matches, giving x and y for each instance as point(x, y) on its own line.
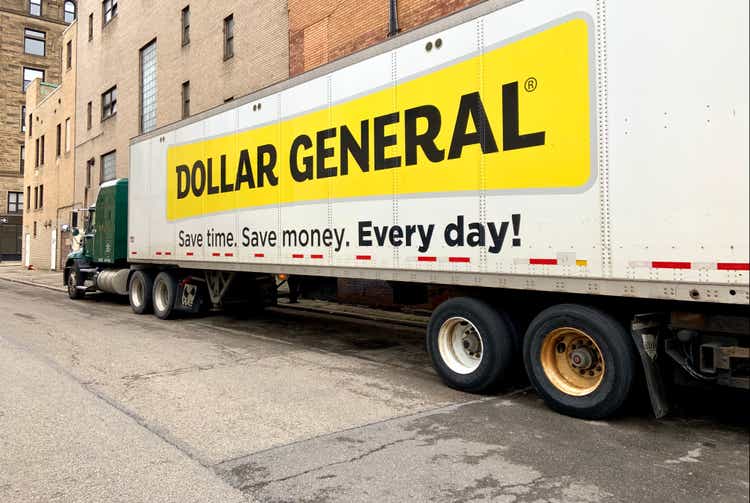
point(645, 331)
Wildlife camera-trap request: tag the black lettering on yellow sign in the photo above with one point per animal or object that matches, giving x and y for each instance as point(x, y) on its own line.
point(315, 157)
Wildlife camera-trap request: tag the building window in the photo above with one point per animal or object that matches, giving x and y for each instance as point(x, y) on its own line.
point(36, 201)
point(31, 124)
point(41, 150)
point(34, 228)
point(186, 25)
point(91, 27)
point(15, 202)
point(148, 87)
point(41, 197)
point(109, 103)
point(23, 118)
point(28, 197)
point(108, 167)
point(58, 143)
point(109, 10)
point(89, 169)
point(29, 74)
point(22, 166)
point(88, 115)
point(34, 42)
point(70, 11)
point(69, 54)
point(186, 99)
point(35, 7)
point(67, 135)
point(36, 153)
point(229, 36)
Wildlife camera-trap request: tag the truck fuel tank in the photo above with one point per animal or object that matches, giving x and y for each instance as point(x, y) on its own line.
point(113, 281)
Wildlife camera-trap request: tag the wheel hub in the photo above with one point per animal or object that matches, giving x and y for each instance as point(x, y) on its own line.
point(460, 345)
point(582, 358)
point(572, 361)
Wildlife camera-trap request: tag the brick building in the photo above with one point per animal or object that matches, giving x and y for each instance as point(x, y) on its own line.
point(49, 175)
point(321, 31)
point(148, 64)
point(29, 48)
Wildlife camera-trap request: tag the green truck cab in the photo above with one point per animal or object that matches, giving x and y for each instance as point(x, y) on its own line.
point(104, 246)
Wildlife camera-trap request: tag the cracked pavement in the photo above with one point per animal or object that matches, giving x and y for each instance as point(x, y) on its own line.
point(98, 404)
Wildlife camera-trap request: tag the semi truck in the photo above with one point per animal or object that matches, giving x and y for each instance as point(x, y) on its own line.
point(571, 178)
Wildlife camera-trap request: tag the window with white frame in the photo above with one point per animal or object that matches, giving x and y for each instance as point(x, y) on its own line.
point(109, 10)
point(70, 11)
point(109, 102)
point(15, 202)
point(109, 167)
point(148, 87)
point(35, 7)
point(29, 74)
point(34, 42)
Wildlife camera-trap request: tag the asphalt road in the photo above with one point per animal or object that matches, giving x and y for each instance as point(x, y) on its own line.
point(98, 404)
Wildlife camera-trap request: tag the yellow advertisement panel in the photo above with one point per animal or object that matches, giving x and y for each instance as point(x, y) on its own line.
point(517, 117)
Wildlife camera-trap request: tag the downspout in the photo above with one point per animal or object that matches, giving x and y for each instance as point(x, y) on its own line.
point(393, 28)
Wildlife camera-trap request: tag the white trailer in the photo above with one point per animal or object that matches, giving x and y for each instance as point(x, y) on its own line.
point(576, 173)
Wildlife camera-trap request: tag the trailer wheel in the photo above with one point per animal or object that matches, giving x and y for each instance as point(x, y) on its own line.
point(140, 292)
point(580, 360)
point(74, 281)
point(164, 293)
point(470, 344)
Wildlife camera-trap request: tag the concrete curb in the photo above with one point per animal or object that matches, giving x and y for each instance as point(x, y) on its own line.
point(31, 283)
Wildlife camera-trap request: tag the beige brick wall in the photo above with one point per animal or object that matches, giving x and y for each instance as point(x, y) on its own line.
point(321, 31)
point(112, 58)
point(51, 107)
point(13, 19)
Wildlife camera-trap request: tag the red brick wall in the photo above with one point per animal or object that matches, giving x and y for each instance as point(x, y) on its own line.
point(321, 31)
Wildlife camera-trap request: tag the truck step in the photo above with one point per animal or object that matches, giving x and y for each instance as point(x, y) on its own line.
point(88, 270)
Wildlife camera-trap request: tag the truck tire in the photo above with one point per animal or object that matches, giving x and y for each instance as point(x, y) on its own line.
point(580, 360)
point(140, 292)
point(74, 281)
point(164, 293)
point(470, 344)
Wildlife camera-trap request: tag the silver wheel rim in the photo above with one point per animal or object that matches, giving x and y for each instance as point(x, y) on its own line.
point(72, 281)
point(136, 292)
point(460, 345)
point(161, 294)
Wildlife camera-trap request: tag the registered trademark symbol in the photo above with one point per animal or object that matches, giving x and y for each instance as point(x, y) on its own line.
point(530, 84)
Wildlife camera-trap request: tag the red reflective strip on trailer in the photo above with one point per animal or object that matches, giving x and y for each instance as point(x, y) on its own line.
point(134, 253)
point(543, 261)
point(216, 254)
point(459, 259)
point(733, 266)
point(671, 265)
point(316, 255)
point(158, 253)
point(259, 255)
point(364, 257)
point(167, 253)
point(229, 254)
point(298, 255)
point(189, 254)
point(426, 259)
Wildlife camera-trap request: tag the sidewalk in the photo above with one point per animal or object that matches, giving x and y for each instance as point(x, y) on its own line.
point(17, 273)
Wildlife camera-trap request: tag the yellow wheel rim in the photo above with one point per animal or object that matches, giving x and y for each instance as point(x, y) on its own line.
point(572, 361)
